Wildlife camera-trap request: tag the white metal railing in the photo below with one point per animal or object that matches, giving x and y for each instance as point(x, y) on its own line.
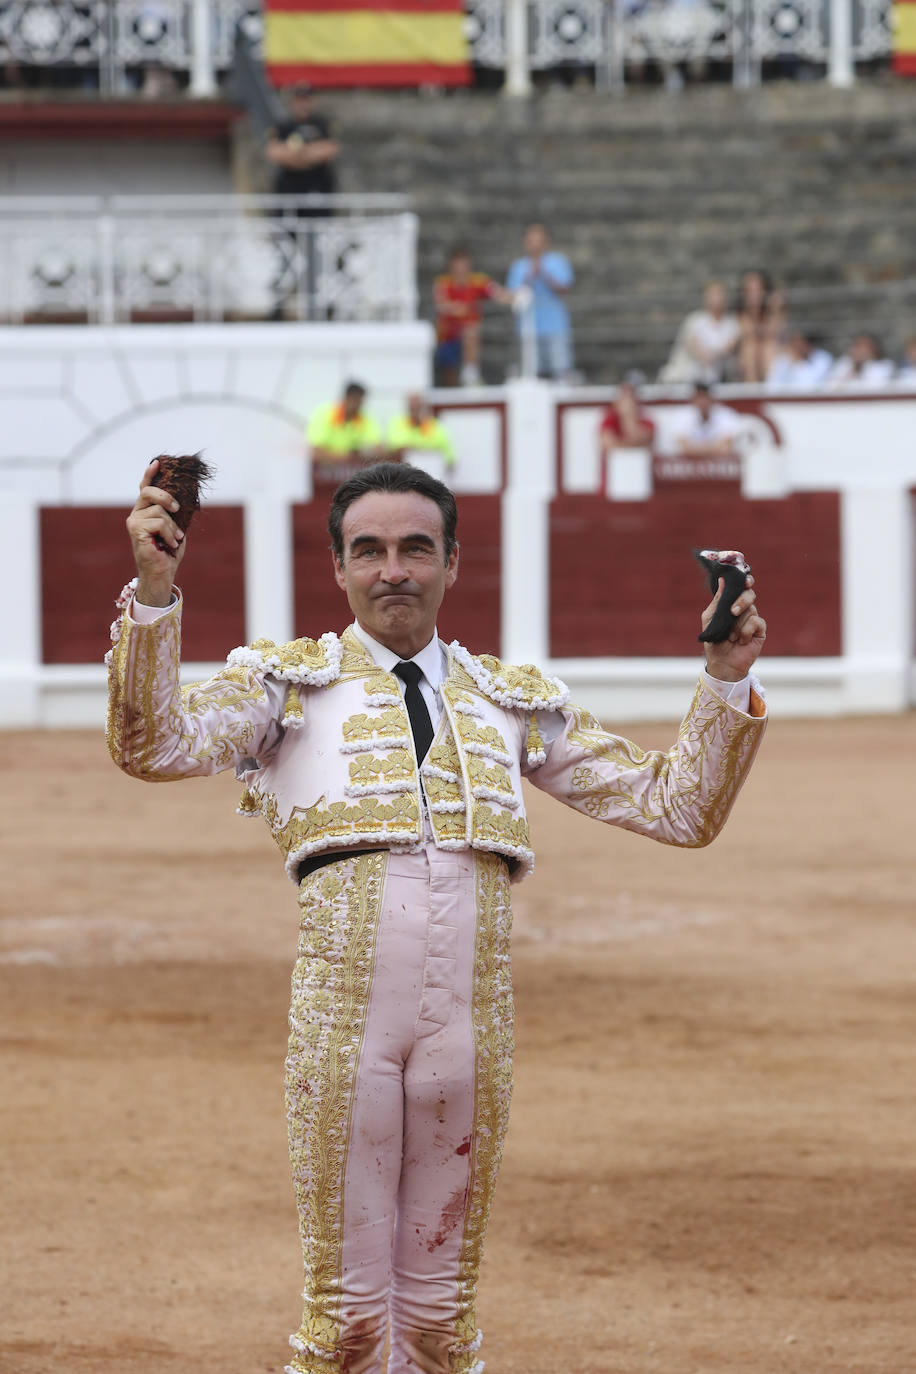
point(115, 41)
point(116, 259)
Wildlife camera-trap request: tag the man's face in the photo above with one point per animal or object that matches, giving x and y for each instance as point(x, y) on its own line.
point(301, 106)
point(394, 569)
point(353, 403)
point(703, 402)
point(460, 267)
point(535, 241)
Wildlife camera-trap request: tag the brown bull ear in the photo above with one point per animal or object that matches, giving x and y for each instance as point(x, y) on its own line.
point(183, 476)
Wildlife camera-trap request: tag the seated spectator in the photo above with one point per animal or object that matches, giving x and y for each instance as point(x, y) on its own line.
point(342, 438)
point(801, 365)
point(708, 430)
point(542, 278)
point(906, 376)
point(706, 341)
point(625, 424)
point(862, 364)
point(419, 429)
point(458, 294)
point(762, 321)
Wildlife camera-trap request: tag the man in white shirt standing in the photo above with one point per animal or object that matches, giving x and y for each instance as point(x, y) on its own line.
point(388, 767)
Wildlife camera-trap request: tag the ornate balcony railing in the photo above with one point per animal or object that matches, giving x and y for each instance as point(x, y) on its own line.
point(114, 41)
point(125, 258)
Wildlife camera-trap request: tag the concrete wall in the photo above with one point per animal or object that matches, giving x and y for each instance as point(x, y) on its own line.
point(600, 589)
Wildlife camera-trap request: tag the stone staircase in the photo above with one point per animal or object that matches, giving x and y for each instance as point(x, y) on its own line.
point(651, 194)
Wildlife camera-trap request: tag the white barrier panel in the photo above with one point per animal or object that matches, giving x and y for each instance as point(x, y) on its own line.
point(82, 408)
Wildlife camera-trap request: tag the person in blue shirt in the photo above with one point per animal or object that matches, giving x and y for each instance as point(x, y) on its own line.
point(539, 282)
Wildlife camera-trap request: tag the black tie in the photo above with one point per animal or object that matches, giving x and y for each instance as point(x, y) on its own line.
point(421, 727)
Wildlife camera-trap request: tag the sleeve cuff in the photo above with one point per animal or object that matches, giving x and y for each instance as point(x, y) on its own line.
point(736, 694)
point(148, 615)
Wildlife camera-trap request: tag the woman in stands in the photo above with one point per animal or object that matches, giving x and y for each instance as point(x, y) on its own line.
point(762, 319)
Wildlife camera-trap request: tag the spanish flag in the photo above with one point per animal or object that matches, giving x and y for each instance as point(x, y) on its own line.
point(366, 42)
point(904, 28)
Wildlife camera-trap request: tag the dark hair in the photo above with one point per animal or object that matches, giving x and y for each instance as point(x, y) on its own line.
point(395, 478)
point(459, 250)
point(354, 389)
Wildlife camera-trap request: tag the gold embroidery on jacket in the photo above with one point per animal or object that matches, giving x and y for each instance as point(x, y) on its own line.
point(477, 738)
point(391, 723)
point(396, 766)
point(439, 791)
point(499, 829)
point(396, 818)
point(657, 799)
point(449, 827)
point(331, 985)
point(444, 756)
point(295, 654)
point(494, 777)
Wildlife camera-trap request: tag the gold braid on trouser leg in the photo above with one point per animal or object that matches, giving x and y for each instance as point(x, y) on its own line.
point(492, 1016)
point(330, 994)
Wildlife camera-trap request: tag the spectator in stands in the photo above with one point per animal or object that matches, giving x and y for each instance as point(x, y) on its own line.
point(708, 430)
point(801, 365)
point(907, 373)
point(762, 321)
point(706, 342)
point(419, 430)
point(863, 364)
point(625, 424)
point(539, 281)
point(302, 151)
point(342, 438)
point(458, 294)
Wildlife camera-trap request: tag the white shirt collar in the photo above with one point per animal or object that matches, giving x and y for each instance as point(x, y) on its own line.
point(430, 660)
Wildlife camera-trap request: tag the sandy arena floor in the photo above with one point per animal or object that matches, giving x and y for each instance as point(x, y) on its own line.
point(711, 1163)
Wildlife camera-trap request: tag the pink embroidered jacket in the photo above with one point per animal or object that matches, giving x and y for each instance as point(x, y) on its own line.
point(320, 736)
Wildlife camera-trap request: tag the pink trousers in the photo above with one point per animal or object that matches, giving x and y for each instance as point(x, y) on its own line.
point(398, 1085)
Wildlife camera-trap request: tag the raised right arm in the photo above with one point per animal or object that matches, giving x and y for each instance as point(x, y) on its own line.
point(158, 731)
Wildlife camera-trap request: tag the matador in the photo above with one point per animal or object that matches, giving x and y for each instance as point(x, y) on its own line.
point(388, 766)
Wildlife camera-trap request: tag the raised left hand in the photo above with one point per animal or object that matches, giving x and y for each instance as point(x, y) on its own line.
point(734, 657)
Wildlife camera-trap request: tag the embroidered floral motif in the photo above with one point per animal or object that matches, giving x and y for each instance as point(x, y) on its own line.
point(440, 790)
point(500, 830)
point(442, 761)
point(450, 829)
point(315, 662)
point(249, 804)
point(391, 772)
point(681, 797)
point(485, 740)
point(390, 729)
point(392, 822)
point(534, 744)
point(524, 686)
point(493, 777)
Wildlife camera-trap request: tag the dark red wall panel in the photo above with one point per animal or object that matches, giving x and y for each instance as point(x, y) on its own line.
point(470, 611)
point(623, 582)
point(86, 559)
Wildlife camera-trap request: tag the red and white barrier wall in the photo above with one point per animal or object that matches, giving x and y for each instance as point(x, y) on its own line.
point(585, 571)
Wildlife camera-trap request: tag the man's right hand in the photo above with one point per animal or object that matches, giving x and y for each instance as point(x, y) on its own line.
point(152, 515)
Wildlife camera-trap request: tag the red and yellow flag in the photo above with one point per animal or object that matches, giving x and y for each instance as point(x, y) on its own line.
point(903, 19)
point(366, 42)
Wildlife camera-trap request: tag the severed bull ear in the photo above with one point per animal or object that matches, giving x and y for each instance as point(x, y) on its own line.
point(183, 477)
point(731, 565)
